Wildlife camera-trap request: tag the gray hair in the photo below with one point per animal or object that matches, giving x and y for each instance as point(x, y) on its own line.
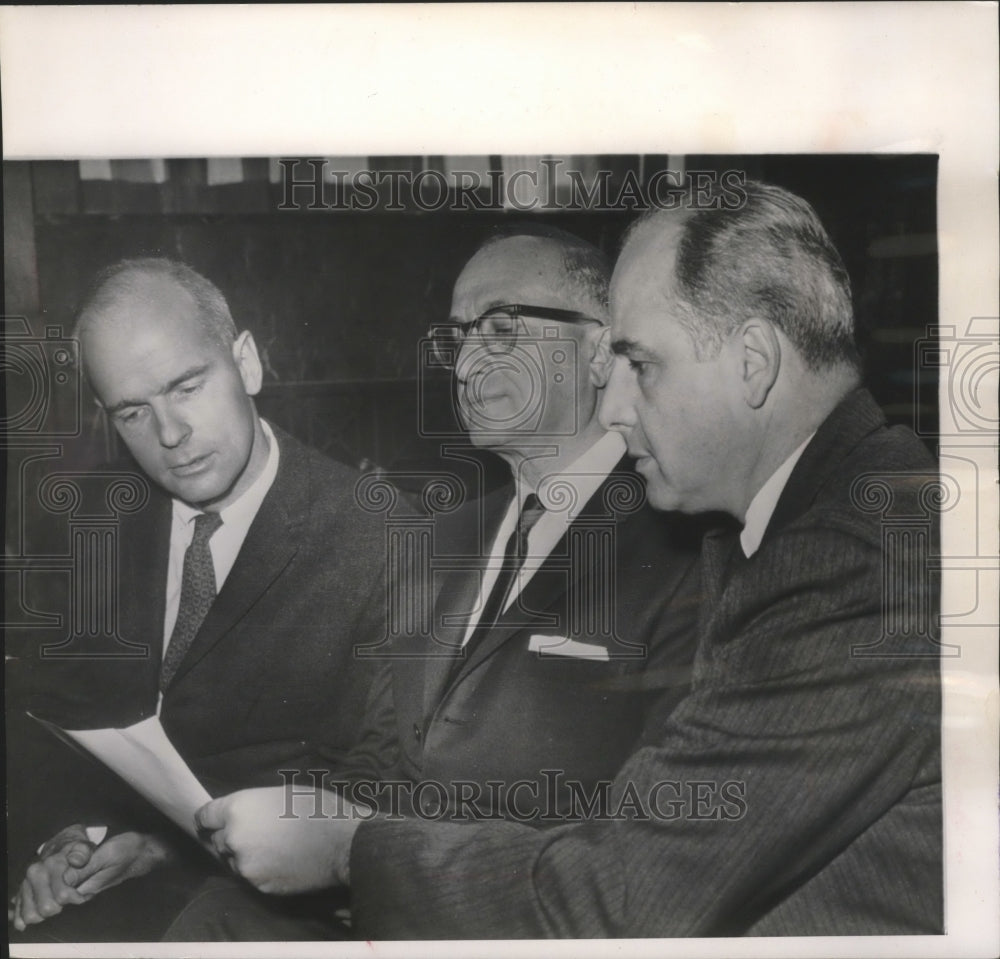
point(124, 276)
point(770, 257)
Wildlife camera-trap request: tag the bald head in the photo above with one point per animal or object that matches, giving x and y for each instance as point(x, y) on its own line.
point(135, 284)
point(576, 269)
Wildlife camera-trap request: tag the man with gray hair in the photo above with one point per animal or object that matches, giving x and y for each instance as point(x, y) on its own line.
point(249, 576)
point(796, 789)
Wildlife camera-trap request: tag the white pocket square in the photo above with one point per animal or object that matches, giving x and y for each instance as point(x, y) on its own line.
point(546, 645)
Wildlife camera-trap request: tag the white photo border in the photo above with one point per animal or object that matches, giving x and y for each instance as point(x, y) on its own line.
point(260, 80)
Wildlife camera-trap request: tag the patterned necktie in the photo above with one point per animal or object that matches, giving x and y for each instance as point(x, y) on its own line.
point(197, 594)
point(513, 559)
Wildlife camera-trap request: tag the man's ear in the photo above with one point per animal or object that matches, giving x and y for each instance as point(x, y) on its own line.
point(248, 362)
point(759, 352)
point(598, 353)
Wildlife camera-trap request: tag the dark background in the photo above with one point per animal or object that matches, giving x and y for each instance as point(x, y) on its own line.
point(338, 299)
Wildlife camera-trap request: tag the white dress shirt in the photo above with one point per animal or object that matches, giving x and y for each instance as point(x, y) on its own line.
point(227, 540)
point(582, 477)
point(762, 506)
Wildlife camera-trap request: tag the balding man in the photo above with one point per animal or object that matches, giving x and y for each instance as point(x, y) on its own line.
point(796, 790)
point(249, 577)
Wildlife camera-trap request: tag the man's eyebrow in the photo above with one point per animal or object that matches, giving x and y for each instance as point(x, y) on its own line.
point(122, 405)
point(624, 346)
point(188, 374)
point(490, 305)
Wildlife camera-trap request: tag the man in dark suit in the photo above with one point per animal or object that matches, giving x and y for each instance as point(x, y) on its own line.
point(547, 633)
point(796, 789)
point(599, 596)
point(264, 677)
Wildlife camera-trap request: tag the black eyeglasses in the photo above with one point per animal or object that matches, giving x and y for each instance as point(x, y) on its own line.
point(497, 327)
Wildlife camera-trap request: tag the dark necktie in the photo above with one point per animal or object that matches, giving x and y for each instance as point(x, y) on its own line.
point(197, 594)
point(513, 559)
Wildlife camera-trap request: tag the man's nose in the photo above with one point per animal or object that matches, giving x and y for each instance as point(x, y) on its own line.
point(473, 358)
point(171, 428)
point(617, 410)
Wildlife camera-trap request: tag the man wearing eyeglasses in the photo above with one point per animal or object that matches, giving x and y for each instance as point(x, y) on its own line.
point(567, 602)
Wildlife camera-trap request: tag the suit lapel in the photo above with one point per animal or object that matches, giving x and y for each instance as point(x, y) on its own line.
point(718, 550)
point(851, 421)
point(561, 571)
point(144, 557)
point(270, 544)
point(460, 592)
point(462, 589)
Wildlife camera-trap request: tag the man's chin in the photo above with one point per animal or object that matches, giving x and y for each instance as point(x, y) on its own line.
point(484, 432)
point(485, 439)
point(199, 491)
point(661, 497)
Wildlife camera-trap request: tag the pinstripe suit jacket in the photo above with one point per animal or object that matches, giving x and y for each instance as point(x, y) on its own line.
point(795, 791)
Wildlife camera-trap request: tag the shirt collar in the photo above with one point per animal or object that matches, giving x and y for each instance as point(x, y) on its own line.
point(243, 508)
point(762, 506)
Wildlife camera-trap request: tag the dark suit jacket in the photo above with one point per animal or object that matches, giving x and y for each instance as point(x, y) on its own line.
point(796, 790)
point(271, 681)
point(621, 580)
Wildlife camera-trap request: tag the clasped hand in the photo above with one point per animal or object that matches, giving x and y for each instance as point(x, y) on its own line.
point(71, 870)
point(283, 840)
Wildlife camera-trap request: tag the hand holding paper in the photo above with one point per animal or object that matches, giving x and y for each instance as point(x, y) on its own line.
point(282, 841)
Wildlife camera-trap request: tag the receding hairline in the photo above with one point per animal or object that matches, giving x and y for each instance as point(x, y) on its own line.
point(492, 243)
point(651, 243)
point(150, 276)
point(102, 306)
point(717, 262)
point(580, 267)
point(656, 227)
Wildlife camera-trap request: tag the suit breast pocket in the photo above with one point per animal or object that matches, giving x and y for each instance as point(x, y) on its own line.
point(547, 646)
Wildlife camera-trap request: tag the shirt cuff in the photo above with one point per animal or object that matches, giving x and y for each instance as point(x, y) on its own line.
point(95, 834)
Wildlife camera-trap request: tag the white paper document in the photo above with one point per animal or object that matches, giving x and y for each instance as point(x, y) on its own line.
point(146, 759)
